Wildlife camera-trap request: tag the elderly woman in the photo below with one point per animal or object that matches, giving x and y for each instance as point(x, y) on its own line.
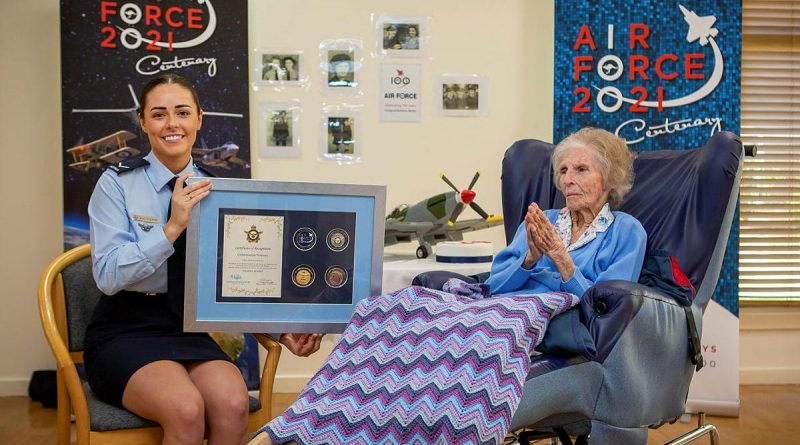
point(426, 366)
point(584, 243)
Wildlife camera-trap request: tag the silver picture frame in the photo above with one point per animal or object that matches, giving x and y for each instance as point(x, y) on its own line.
point(279, 257)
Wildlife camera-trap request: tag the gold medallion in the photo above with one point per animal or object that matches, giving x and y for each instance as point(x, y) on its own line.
point(303, 276)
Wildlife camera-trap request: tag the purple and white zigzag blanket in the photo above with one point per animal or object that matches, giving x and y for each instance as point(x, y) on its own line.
point(421, 366)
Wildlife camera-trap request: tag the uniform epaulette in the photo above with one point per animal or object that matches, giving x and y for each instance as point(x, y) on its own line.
point(208, 172)
point(128, 165)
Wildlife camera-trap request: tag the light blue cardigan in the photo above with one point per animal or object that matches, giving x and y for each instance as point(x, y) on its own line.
point(616, 253)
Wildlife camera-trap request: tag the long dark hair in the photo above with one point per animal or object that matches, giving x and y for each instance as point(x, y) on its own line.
point(165, 79)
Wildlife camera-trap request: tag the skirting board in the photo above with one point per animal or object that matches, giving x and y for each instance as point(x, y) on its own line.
point(291, 384)
point(10, 386)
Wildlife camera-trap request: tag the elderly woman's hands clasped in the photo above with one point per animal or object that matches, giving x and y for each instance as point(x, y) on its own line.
point(544, 240)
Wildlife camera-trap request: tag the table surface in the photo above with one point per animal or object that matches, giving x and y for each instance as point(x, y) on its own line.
point(400, 266)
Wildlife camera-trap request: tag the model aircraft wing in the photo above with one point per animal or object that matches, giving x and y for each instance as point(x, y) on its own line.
point(403, 232)
point(470, 225)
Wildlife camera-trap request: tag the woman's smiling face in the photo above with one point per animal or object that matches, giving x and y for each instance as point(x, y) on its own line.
point(171, 118)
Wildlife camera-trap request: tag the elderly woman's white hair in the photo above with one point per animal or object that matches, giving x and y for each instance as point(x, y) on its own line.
point(613, 158)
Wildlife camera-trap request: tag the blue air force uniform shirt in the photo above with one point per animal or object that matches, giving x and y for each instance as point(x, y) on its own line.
point(127, 212)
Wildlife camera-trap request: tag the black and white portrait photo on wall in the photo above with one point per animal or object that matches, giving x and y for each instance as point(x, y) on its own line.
point(462, 95)
point(340, 134)
point(400, 36)
point(340, 61)
point(279, 129)
point(340, 69)
point(278, 68)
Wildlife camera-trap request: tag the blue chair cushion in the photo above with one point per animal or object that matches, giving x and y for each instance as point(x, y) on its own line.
point(105, 417)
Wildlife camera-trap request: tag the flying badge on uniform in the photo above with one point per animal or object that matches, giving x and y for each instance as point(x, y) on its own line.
point(338, 240)
point(303, 276)
point(145, 222)
point(253, 235)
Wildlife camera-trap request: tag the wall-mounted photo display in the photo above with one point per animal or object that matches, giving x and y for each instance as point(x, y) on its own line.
point(279, 129)
point(401, 36)
point(462, 95)
point(340, 130)
point(278, 68)
point(340, 63)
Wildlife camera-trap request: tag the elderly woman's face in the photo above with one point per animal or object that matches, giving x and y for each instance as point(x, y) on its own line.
point(581, 180)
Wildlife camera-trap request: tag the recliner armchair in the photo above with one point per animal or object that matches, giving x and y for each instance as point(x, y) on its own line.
point(639, 372)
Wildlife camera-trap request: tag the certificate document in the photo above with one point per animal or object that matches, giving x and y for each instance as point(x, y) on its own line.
point(252, 256)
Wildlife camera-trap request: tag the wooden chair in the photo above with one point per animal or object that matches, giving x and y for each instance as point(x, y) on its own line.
point(67, 297)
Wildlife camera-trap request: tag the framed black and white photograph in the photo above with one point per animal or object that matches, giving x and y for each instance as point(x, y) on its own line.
point(279, 68)
point(340, 63)
point(401, 36)
point(279, 129)
point(462, 95)
point(341, 135)
point(340, 129)
point(269, 256)
point(341, 68)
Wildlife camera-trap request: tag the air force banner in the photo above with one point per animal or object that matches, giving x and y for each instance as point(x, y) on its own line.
point(110, 49)
point(662, 75)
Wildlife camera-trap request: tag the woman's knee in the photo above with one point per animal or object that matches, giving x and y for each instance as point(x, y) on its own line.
point(231, 410)
point(187, 420)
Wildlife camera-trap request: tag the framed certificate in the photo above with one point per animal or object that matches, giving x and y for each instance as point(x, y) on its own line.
point(266, 256)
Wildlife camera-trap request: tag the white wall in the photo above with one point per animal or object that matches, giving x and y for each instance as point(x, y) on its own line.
point(30, 180)
point(510, 42)
point(511, 45)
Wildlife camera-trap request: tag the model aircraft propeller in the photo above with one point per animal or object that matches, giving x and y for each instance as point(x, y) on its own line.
point(464, 197)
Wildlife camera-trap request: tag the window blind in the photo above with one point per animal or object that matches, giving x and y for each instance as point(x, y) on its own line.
point(769, 243)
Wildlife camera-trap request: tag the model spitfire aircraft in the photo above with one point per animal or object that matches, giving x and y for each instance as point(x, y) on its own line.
point(436, 219)
point(102, 152)
point(222, 156)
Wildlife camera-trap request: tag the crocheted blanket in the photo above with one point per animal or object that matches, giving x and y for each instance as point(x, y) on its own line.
point(421, 366)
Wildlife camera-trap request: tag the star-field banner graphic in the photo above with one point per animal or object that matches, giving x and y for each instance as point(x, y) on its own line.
point(110, 49)
point(663, 75)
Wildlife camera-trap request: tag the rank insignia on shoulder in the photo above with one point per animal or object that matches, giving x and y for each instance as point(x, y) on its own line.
point(128, 165)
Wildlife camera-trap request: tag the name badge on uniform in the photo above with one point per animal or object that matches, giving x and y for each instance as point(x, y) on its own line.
point(145, 222)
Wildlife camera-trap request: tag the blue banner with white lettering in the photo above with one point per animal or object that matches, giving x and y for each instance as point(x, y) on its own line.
point(663, 75)
point(660, 74)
